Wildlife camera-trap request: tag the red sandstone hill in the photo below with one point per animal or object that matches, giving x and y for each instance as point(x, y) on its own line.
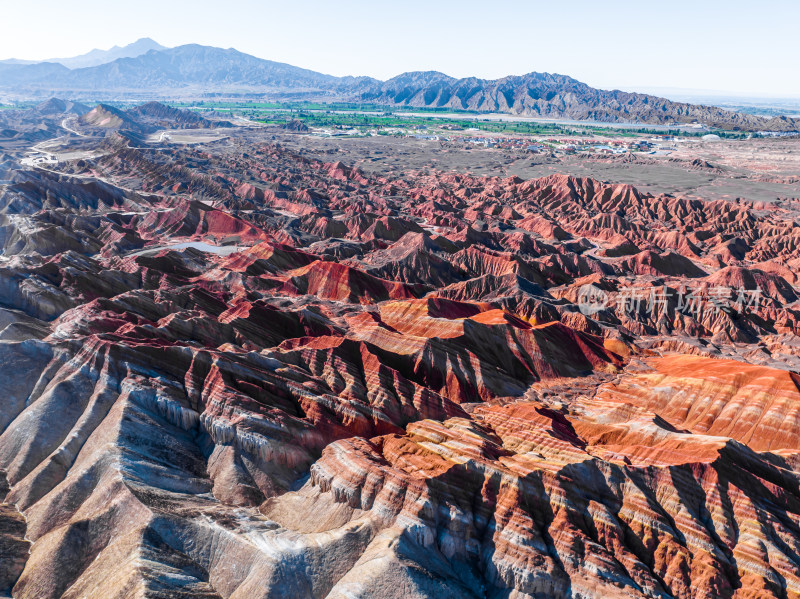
point(751, 404)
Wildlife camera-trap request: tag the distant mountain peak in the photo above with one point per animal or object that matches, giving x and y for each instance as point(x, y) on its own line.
point(98, 57)
point(59, 106)
point(147, 41)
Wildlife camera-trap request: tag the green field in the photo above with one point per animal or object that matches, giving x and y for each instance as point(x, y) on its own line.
point(346, 115)
point(390, 120)
point(343, 115)
point(300, 106)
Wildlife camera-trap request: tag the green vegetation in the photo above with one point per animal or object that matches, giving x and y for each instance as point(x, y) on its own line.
point(342, 115)
point(366, 116)
point(18, 106)
point(339, 118)
point(388, 120)
point(305, 106)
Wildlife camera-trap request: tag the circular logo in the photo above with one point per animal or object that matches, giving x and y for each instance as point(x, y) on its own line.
point(591, 299)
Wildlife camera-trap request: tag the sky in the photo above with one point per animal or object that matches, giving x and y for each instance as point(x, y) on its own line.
point(734, 46)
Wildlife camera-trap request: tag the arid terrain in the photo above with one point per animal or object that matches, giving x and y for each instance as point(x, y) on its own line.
point(248, 362)
point(757, 169)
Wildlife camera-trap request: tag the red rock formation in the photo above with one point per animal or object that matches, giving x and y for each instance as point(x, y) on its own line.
point(237, 372)
point(751, 404)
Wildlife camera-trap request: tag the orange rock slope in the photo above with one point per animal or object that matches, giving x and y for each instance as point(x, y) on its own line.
point(754, 405)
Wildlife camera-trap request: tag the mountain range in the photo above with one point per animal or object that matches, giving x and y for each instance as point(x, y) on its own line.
point(97, 57)
point(146, 70)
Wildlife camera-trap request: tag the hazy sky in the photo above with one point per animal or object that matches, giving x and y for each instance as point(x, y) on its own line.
point(734, 45)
